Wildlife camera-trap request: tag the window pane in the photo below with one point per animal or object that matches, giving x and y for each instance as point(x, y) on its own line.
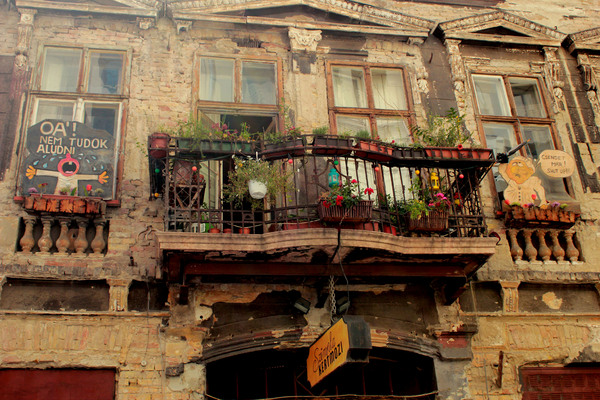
point(61, 69)
point(349, 87)
point(527, 98)
point(540, 139)
point(50, 109)
point(491, 95)
point(106, 73)
point(352, 125)
point(500, 137)
point(216, 80)
point(102, 116)
point(395, 129)
point(258, 83)
point(388, 89)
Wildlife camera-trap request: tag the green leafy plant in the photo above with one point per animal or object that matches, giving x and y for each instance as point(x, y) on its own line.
point(346, 194)
point(276, 179)
point(442, 131)
point(321, 130)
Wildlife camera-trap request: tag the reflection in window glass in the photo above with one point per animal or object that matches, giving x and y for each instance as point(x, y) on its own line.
point(388, 89)
point(527, 98)
point(216, 80)
point(258, 83)
point(491, 95)
point(349, 87)
point(500, 137)
point(540, 139)
point(352, 125)
point(102, 116)
point(106, 73)
point(396, 129)
point(52, 109)
point(61, 69)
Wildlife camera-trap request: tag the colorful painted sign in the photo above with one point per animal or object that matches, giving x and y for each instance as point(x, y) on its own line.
point(328, 353)
point(68, 157)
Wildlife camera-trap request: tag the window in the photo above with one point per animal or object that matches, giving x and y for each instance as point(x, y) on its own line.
point(84, 85)
point(239, 90)
point(512, 110)
point(370, 98)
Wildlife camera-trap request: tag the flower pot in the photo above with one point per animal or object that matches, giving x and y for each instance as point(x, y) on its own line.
point(65, 204)
point(214, 230)
point(408, 153)
point(215, 146)
point(360, 212)
point(301, 225)
point(227, 230)
point(244, 231)
point(458, 153)
point(367, 226)
point(390, 229)
point(159, 143)
point(372, 150)
point(435, 221)
point(257, 189)
point(332, 145)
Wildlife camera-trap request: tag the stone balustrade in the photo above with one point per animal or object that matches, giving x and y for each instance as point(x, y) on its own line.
point(50, 234)
point(544, 245)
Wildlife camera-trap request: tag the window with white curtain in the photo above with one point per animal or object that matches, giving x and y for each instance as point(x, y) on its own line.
point(235, 90)
point(511, 110)
point(371, 98)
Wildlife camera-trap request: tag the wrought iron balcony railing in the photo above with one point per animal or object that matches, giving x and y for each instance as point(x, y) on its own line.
point(190, 180)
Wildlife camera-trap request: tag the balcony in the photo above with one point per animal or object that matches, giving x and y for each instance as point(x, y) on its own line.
point(287, 235)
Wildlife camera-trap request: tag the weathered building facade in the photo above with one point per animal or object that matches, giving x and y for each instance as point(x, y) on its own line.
point(118, 285)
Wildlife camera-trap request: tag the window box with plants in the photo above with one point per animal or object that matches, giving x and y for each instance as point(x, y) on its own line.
point(66, 202)
point(213, 139)
point(345, 203)
point(281, 144)
point(549, 214)
point(428, 210)
point(372, 149)
point(446, 137)
point(332, 145)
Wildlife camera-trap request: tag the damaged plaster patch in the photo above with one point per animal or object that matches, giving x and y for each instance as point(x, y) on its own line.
point(203, 313)
point(552, 301)
point(192, 379)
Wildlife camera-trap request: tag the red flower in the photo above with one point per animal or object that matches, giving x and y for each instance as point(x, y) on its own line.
point(507, 202)
point(88, 188)
point(353, 181)
point(338, 200)
point(460, 146)
point(534, 196)
point(369, 190)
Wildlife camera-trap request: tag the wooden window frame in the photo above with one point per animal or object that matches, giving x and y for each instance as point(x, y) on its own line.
point(371, 112)
point(81, 97)
point(237, 107)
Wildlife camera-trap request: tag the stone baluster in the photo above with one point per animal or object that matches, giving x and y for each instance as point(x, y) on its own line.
point(27, 241)
point(557, 250)
point(543, 251)
point(515, 250)
point(572, 253)
point(63, 242)
point(530, 250)
point(81, 242)
point(45, 241)
point(98, 243)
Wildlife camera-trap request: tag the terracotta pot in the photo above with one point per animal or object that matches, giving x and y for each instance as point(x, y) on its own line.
point(159, 143)
point(227, 230)
point(214, 230)
point(301, 225)
point(244, 231)
point(390, 229)
point(368, 226)
point(374, 151)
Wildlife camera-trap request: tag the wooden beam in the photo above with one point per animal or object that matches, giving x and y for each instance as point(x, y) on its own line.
point(87, 8)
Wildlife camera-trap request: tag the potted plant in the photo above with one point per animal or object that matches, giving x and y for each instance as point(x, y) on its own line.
point(445, 137)
point(335, 145)
point(273, 176)
point(158, 144)
point(345, 203)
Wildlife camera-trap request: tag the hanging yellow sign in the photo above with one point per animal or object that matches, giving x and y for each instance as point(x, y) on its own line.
point(328, 353)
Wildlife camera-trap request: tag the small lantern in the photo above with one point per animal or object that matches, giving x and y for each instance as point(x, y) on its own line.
point(435, 181)
point(333, 179)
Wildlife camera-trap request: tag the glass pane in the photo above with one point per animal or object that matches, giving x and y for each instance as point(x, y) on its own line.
point(106, 73)
point(61, 69)
point(258, 83)
point(395, 129)
point(501, 138)
point(491, 95)
point(540, 139)
point(388, 89)
point(352, 125)
point(102, 116)
point(527, 98)
point(216, 80)
point(51, 109)
point(349, 87)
